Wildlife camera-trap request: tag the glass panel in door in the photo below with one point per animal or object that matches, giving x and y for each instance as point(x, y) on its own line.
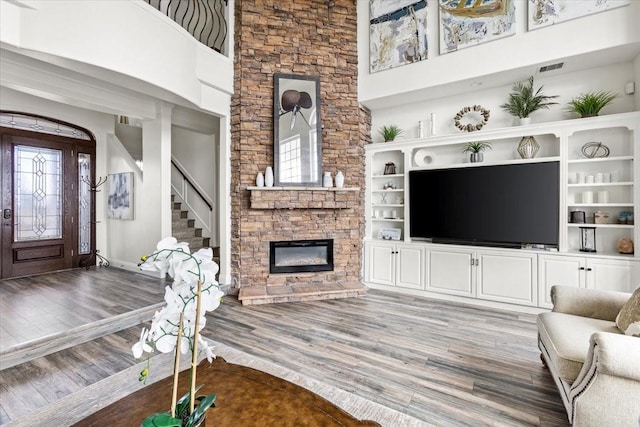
point(37, 193)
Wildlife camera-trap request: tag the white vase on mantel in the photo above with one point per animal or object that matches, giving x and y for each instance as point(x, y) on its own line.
point(260, 180)
point(339, 179)
point(327, 181)
point(268, 177)
point(525, 121)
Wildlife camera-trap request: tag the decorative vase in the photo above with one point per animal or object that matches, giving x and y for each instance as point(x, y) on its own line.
point(339, 179)
point(260, 180)
point(268, 177)
point(476, 157)
point(327, 181)
point(528, 147)
point(525, 120)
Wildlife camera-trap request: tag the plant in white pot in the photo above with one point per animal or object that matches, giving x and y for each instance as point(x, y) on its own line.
point(524, 100)
point(476, 149)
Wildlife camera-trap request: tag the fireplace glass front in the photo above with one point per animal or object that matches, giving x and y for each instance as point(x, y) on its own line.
point(297, 256)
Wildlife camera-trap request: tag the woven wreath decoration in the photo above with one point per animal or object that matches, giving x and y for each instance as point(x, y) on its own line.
point(470, 127)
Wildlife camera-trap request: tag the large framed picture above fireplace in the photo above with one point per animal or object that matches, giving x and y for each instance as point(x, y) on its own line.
point(297, 131)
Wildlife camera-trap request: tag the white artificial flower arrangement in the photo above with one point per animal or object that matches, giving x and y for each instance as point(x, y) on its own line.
point(177, 326)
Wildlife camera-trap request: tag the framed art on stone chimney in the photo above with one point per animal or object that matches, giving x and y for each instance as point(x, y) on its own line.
point(297, 145)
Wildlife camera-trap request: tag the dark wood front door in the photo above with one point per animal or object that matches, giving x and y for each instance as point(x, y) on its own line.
point(42, 200)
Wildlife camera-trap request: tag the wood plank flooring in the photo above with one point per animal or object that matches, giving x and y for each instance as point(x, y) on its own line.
point(38, 306)
point(445, 363)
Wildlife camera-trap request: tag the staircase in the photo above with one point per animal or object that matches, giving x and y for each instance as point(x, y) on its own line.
point(184, 228)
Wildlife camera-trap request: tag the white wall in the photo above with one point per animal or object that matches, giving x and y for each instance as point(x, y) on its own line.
point(567, 86)
point(127, 41)
point(86, 61)
point(196, 152)
point(608, 35)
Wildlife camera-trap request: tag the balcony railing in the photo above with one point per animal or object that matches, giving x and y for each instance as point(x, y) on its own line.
point(203, 19)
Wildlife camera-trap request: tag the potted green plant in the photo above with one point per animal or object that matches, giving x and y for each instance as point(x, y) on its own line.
point(524, 100)
point(589, 104)
point(390, 133)
point(476, 149)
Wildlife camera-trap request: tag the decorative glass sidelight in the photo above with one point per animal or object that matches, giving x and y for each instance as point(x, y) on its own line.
point(37, 193)
point(40, 124)
point(84, 203)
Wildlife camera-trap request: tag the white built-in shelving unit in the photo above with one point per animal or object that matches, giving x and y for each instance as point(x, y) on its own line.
point(523, 276)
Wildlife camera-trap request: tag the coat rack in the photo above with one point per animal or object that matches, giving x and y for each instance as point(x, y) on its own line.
point(102, 261)
point(94, 187)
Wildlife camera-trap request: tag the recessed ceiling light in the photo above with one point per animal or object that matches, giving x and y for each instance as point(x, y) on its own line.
point(476, 84)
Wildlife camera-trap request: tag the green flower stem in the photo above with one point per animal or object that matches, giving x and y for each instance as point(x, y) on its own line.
point(194, 355)
point(176, 369)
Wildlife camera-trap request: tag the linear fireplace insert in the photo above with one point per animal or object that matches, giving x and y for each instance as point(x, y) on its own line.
point(295, 256)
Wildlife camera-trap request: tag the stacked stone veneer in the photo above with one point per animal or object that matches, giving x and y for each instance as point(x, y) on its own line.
point(305, 37)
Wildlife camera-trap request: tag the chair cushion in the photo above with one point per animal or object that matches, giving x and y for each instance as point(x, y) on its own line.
point(628, 320)
point(566, 339)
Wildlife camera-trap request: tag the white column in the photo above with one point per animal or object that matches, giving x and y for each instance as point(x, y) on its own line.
point(156, 155)
point(224, 201)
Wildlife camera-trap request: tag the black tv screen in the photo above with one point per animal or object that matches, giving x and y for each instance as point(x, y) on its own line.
point(501, 205)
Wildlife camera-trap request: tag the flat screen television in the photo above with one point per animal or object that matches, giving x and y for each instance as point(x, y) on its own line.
point(495, 205)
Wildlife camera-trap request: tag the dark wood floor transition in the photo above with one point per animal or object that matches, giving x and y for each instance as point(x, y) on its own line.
point(445, 363)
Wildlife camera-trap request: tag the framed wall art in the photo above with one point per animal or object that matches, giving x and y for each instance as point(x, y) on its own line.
point(297, 145)
point(120, 203)
point(543, 13)
point(465, 23)
point(397, 33)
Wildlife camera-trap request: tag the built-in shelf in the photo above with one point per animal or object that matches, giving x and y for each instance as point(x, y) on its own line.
point(601, 159)
point(389, 190)
point(576, 225)
point(395, 175)
point(388, 205)
point(600, 205)
point(388, 219)
point(495, 163)
point(602, 184)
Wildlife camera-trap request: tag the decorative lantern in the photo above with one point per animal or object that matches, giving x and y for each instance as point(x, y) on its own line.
point(389, 168)
point(587, 239)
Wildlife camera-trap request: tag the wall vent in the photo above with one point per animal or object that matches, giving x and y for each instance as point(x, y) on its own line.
point(551, 67)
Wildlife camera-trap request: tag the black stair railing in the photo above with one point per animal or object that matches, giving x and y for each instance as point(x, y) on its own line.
point(205, 20)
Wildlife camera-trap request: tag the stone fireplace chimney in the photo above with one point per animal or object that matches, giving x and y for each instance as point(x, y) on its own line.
point(310, 38)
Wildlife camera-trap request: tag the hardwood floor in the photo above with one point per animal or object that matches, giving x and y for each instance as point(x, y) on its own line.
point(37, 306)
point(444, 363)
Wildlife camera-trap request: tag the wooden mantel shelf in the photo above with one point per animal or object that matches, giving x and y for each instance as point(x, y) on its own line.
point(304, 197)
point(250, 188)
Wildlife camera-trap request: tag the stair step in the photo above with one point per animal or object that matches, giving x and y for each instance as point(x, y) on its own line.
point(176, 206)
point(196, 243)
point(186, 232)
point(179, 214)
point(183, 223)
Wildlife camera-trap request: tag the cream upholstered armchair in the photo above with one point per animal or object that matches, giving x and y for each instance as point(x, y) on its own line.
point(594, 364)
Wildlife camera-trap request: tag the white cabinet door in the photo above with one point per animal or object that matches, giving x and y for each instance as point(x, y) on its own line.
point(410, 266)
point(451, 271)
point(508, 278)
point(381, 264)
point(558, 270)
point(612, 275)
